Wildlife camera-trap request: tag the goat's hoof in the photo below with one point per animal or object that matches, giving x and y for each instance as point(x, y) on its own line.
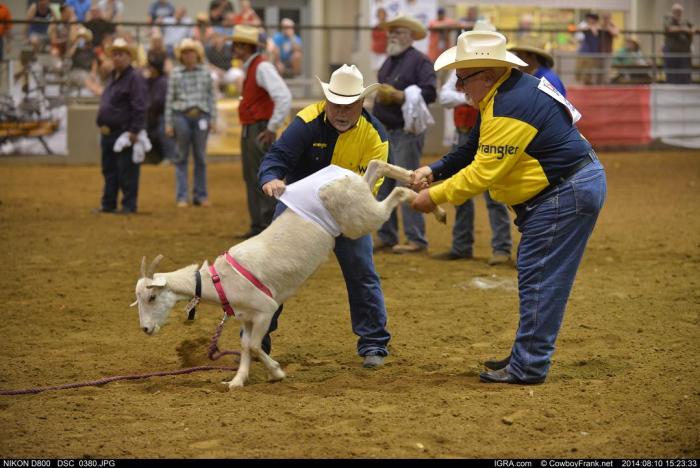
point(277, 375)
point(233, 384)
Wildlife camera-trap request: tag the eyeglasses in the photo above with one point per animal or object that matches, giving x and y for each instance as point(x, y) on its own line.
point(462, 81)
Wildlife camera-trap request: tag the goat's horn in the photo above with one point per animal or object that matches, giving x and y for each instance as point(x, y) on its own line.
point(154, 265)
point(143, 267)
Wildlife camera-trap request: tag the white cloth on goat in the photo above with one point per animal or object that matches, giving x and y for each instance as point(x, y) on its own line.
point(302, 197)
point(416, 115)
point(141, 147)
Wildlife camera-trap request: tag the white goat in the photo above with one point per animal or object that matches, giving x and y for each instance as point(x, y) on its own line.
point(282, 257)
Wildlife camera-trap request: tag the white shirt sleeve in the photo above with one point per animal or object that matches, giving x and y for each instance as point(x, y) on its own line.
point(267, 77)
point(448, 96)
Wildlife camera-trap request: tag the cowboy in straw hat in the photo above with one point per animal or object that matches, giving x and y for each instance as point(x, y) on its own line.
point(337, 131)
point(265, 104)
point(83, 32)
point(121, 45)
point(527, 152)
point(188, 44)
point(539, 62)
point(416, 28)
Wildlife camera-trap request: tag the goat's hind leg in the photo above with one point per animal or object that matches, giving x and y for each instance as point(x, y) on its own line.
point(259, 329)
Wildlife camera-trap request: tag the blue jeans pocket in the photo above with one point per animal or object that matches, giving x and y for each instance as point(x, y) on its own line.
point(589, 193)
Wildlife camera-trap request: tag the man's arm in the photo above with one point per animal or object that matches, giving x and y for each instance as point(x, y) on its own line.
point(271, 81)
point(284, 155)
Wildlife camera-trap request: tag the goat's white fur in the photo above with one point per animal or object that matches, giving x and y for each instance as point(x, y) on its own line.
point(282, 257)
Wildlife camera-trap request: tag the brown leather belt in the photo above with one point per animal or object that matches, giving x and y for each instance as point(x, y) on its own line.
point(193, 112)
point(105, 130)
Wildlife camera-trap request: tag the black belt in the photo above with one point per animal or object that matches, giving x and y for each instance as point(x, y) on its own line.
point(589, 158)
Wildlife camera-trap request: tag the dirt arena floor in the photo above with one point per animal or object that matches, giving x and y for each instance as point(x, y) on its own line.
point(624, 382)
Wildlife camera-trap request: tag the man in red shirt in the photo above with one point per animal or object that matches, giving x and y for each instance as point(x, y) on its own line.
point(265, 103)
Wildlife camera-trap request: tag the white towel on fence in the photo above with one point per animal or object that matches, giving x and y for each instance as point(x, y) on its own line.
point(416, 115)
point(141, 147)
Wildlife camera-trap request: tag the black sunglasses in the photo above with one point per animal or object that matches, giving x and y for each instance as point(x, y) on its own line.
point(463, 81)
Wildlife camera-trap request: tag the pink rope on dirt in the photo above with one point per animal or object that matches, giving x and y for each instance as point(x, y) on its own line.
point(213, 354)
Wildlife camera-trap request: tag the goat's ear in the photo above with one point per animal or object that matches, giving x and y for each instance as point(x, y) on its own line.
point(134, 304)
point(158, 282)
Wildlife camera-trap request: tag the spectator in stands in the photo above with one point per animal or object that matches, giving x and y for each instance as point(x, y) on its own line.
point(531, 49)
point(38, 31)
point(465, 115)
point(4, 27)
point(190, 113)
point(159, 10)
point(157, 47)
point(440, 36)
point(219, 53)
point(632, 66)
point(61, 31)
point(379, 40)
point(218, 10)
point(83, 59)
point(588, 64)
point(80, 8)
point(122, 109)
point(678, 34)
point(100, 27)
point(157, 86)
point(111, 10)
point(289, 52)
point(202, 31)
point(175, 29)
point(265, 104)
point(247, 15)
point(406, 67)
point(607, 34)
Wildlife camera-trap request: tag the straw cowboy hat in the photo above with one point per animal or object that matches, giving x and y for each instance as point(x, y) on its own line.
point(121, 44)
point(476, 49)
point(346, 86)
point(202, 17)
point(85, 33)
point(417, 28)
point(190, 44)
point(246, 34)
point(535, 45)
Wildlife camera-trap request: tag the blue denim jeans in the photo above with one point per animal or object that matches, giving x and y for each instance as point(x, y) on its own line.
point(463, 229)
point(405, 150)
point(189, 134)
point(555, 231)
point(120, 173)
point(367, 309)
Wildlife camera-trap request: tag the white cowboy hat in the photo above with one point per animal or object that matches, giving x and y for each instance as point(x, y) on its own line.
point(346, 86)
point(476, 49)
point(417, 28)
point(246, 34)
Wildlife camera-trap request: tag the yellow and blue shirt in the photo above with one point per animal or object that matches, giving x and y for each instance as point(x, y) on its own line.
point(311, 143)
point(523, 140)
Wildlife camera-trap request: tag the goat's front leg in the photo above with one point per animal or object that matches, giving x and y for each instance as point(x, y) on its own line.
point(258, 332)
point(244, 365)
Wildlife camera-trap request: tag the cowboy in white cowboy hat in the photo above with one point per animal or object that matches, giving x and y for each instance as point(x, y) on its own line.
point(527, 152)
point(337, 130)
point(532, 50)
point(264, 106)
point(190, 114)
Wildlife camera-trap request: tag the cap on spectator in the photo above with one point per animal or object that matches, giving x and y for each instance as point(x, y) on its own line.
point(287, 23)
point(84, 33)
point(246, 34)
point(190, 44)
point(535, 45)
point(476, 49)
point(202, 17)
point(677, 7)
point(346, 86)
point(121, 44)
point(408, 22)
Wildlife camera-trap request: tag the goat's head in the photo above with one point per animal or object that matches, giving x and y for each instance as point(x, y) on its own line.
point(153, 297)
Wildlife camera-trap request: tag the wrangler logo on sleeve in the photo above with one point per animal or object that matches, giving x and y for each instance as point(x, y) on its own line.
point(501, 151)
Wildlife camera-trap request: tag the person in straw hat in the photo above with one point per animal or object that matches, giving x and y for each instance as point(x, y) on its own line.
point(122, 109)
point(526, 150)
point(337, 130)
point(531, 49)
point(464, 117)
point(404, 67)
point(265, 103)
point(190, 113)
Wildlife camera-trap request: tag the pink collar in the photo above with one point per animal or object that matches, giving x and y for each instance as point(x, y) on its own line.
point(220, 289)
